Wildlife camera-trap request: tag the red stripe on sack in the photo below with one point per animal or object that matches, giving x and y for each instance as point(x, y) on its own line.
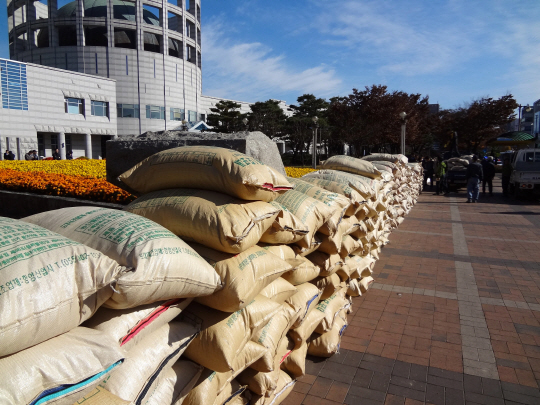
point(143, 323)
point(284, 357)
point(270, 186)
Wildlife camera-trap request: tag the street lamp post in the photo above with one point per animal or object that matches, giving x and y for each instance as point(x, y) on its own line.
point(314, 149)
point(520, 109)
point(403, 116)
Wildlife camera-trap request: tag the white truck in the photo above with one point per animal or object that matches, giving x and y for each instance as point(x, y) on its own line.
point(525, 172)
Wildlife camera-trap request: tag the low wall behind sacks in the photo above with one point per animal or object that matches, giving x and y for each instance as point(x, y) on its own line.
point(126, 151)
point(19, 205)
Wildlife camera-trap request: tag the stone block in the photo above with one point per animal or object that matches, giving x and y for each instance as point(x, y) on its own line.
point(126, 151)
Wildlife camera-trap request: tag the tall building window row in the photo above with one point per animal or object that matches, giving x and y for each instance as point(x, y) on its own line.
point(127, 110)
point(99, 108)
point(14, 85)
point(155, 112)
point(177, 114)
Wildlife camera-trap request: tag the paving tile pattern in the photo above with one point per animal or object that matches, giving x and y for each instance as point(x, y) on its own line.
point(453, 317)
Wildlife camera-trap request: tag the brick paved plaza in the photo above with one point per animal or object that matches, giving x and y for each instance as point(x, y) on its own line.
point(453, 316)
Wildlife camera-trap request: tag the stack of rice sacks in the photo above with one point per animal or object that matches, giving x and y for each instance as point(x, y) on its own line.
point(273, 265)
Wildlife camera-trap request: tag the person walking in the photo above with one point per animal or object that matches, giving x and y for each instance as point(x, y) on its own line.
point(506, 173)
point(488, 169)
point(474, 177)
point(427, 164)
point(440, 176)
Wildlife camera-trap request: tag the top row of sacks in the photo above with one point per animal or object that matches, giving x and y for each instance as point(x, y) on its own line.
point(225, 171)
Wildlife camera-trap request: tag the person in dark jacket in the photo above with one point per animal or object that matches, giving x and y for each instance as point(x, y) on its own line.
point(429, 171)
point(488, 169)
point(440, 176)
point(9, 155)
point(56, 155)
point(474, 177)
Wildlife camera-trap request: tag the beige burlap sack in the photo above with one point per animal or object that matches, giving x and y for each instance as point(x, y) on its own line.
point(208, 168)
point(327, 344)
point(263, 384)
point(331, 307)
point(331, 245)
point(349, 246)
point(285, 385)
point(295, 363)
point(361, 184)
point(231, 395)
point(146, 360)
point(365, 283)
point(353, 288)
point(340, 188)
point(286, 228)
point(328, 264)
point(243, 275)
point(304, 251)
point(352, 165)
point(327, 285)
point(212, 384)
point(224, 335)
point(302, 272)
point(49, 284)
point(100, 396)
point(401, 159)
point(305, 299)
point(60, 370)
point(212, 219)
point(301, 333)
point(310, 211)
point(129, 326)
point(279, 290)
point(271, 335)
point(174, 383)
point(394, 168)
point(165, 267)
point(284, 252)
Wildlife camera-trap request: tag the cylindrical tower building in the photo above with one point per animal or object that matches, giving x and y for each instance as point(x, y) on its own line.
point(152, 48)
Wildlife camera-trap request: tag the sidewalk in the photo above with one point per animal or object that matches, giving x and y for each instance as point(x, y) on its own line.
point(453, 316)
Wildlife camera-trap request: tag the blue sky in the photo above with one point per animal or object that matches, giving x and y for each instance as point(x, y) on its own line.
point(455, 51)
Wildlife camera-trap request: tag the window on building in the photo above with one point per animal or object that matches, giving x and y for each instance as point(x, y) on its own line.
point(41, 144)
point(95, 36)
point(175, 48)
point(151, 15)
point(177, 3)
point(127, 110)
point(198, 36)
point(74, 105)
point(42, 37)
point(174, 22)
point(189, 6)
point(67, 35)
point(155, 112)
point(177, 114)
point(69, 144)
point(190, 29)
point(198, 13)
point(191, 54)
point(14, 85)
point(99, 108)
point(199, 60)
point(124, 10)
point(152, 42)
point(192, 116)
point(202, 117)
point(54, 142)
point(125, 38)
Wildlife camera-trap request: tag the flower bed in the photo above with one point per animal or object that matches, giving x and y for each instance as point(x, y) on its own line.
point(84, 179)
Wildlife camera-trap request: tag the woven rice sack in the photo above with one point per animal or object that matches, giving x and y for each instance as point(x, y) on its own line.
point(164, 266)
point(129, 326)
point(328, 264)
point(285, 229)
point(208, 168)
point(327, 344)
point(302, 272)
point(352, 165)
point(100, 396)
point(60, 370)
point(284, 252)
point(49, 284)
point(301, 333)
point(327, 285)
point(271, 335)
point(310, 211)
point(331, 245)
point(304, 251)
point(212, 219)
point(231, 395)
point(353, 289)
point(243, 275)
point(223, 335)
point(174, 383)
point(263, 384)
point(146, 360)
point(331, 308)
point(387, 157)
point(305, 299)
point(349, 246)
point(279, 290)
point(365, 283)
point(212, 384)
point(389, 165)
point(356, 182)
point(295, 363)
point(284, 387)
point(340, 188)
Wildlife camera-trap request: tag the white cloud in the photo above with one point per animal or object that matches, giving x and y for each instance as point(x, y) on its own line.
point(251, 71)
